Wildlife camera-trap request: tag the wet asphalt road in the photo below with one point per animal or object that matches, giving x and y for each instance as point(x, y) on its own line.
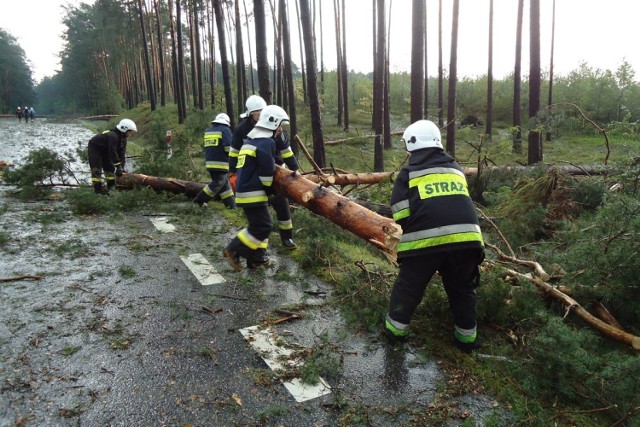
point(118, 331)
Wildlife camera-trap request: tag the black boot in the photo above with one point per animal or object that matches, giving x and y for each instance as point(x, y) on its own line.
point(287, 239)
point(258, 259)
point(201, 199)
point(97, 187)
point(230, 202)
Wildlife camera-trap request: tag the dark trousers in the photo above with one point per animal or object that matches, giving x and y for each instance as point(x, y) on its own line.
point(99, 159)
point(460, 277)
point(259, 229)
point(280, 205)
point(219, 186)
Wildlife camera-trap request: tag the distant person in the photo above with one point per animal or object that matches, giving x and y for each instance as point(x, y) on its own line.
point(284, 155)
point(430, 201)
point(31, 113)
point(107, 151)
point(217, 141)
point(255, 168)
point(19, 114)
point(25, 111)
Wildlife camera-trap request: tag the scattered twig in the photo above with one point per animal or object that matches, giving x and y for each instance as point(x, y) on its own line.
point(17, 279)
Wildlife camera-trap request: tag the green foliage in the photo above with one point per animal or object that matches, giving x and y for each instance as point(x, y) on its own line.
point(41, 166)
point(16, 82)
point(86, 202)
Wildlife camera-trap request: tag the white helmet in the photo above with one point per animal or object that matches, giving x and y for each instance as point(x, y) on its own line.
point(254, 103)
point(271, 117)
point(422, 134)
point(222, 119)
point(125, 125)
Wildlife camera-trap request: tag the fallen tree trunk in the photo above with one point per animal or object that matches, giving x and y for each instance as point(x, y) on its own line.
point(381, 232)
point(351, 178)
point(568, 169)
point(129, 181)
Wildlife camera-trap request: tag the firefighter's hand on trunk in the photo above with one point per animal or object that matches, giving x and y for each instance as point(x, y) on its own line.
point(118, 171)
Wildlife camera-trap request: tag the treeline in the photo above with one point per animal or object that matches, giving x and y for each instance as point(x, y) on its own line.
point(16, 81)
point(211, 54)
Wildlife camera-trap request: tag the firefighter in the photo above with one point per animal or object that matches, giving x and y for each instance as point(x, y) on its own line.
point(284, 155)
point(255, 168)
point(217, 141)
point(107, 151)
point(430, 201)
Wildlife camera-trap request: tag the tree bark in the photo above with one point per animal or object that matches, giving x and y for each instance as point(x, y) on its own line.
point(453, 79)
point(379, 73)
point(222, 41)
point(517, 82)
point(417, 60)
point(550, 98)
point(288, 71)
point(381, 232)
point(147, 64)
point(264, 85)
point(489, 125)
point(312, 85)
point(534, 152)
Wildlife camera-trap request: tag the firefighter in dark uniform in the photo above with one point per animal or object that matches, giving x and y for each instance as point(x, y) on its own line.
point(441, 232)
point(255, 168)
point(107, 151)
point(217, 142)
point(284, 155)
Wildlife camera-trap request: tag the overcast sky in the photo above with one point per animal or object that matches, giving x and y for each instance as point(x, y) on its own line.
point(601, 33)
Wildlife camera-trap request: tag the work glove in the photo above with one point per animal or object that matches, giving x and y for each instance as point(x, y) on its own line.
point(118, 171)
point(232, 181)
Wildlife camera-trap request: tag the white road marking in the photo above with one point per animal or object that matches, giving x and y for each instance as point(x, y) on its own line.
point(263, 340)
point(162, 224)
point(200, 267)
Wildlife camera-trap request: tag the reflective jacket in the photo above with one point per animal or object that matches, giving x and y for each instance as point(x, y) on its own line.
point(256, 166)
point(217, 142)
point(114, 142)
point(431, 202)
point(284, 154)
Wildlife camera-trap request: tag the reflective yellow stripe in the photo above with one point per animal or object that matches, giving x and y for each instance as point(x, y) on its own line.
point(436, 184)
point(404, 213)
point(212, 139)
point(247, 200)
point(286, 153)
point(285, 225)
point(250, 241)
point(224, 166)
point(226, 194)
point(440, 240)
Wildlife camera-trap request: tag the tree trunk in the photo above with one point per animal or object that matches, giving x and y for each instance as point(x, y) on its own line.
point(174, 66)
point(180, 62)
point(425, 100)
point(534, 153)
point(378, 120)
point(440, 70)
point(264, 85)
point(147, 64)
point(381, 232)
point(198, 53)
point(191, 20)
point(553, 37)
point(453, 79)
point(417, 60)
point(345, 72)
point(301, 42)
point(517, 82)
point(288, 71)
point(489, 125)
point(340, 100)
point(241, 75)
point(312, 85)
point(163, 78)
point(222, 42)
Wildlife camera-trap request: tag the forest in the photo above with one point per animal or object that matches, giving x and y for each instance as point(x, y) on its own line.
point(562, 245)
